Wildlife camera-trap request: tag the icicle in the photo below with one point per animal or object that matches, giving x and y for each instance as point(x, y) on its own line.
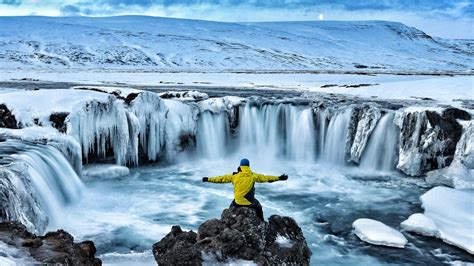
point(99, 126)
point(150, 111)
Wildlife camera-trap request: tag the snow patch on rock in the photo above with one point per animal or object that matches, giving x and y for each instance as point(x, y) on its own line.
point(184, 95)
point(377, 233)
point(284, 242)
point(106, 171)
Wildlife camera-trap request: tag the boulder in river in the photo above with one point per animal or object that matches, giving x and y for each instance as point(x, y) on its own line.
point(54, 248)
point(238, 236)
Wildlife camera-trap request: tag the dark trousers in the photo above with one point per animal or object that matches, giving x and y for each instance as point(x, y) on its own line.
point(255, 205)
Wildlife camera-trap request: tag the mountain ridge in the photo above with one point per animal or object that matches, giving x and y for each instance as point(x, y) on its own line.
point(166, 44)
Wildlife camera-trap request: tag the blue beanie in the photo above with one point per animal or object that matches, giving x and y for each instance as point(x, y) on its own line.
point(244, 162)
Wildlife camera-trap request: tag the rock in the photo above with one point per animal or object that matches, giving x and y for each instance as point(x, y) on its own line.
point(58, 121)
point(465, 148)
point(53, 248)
point(428, 139)
point(363, 120)
point(177, 248)
point(238, 235)
point(184, 95)
point(7, 119)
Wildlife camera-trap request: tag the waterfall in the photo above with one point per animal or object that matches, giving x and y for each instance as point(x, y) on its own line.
point(52, 177)
point(212, 135)
point(282, 130)
point(322, 130)
point(381, 151)
point(334, 148)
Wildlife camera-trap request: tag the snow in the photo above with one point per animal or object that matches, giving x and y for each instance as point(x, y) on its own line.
point(366, 124)
point(465, 147)
point(448, 215)
point(27, 105)
point(443, 89)
point(106, 171)
point(456, 175)
point(184, 95)
point(284, 242)
point(377, 233)
point(53, 43)
point(217, 105)
point(150, 111)
point(123, 91)
point(421, 224)
point(460, 173)
point(181, 121)
point(100, 121)
point(69, 146)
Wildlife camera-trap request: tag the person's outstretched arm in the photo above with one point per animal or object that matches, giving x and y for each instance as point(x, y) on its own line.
point(268, 178)
point(218, 179)
point(264, 178)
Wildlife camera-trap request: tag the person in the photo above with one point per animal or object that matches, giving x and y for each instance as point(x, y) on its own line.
point(244, 185)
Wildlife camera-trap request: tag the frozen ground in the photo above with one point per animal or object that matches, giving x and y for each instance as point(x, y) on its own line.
point(443, 89)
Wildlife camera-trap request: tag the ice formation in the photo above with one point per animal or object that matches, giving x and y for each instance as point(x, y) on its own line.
point(448, 215)
point(133, 126)
point(363, 121)
point(18, 201)
point(377, 233)
point(184, 95)
point(39, 181)
point(106, 171)
point(428, 138)
point(420, 224)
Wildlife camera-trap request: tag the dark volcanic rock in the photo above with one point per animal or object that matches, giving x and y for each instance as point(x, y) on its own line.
point(239, 234)
point(7, 119)
point(58, 121)
point(428, 139)
point(56, 248)
point(177, 248)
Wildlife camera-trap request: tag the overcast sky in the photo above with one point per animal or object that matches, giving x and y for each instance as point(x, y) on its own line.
point(442, 18)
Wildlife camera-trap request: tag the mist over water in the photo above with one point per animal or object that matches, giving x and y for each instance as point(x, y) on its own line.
point(324, 194)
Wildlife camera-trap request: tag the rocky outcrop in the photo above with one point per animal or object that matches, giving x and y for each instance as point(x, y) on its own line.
point(55, 248)
point(363, 120)
point(238, 235)
point(428, 139)
point(7, 119)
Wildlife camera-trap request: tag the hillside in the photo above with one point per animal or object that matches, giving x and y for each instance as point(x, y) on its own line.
point(139, 43)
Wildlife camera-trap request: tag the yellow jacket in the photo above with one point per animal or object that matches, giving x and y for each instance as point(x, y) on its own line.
point(243, 183)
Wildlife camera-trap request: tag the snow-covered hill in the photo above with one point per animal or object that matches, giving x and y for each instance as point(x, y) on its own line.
point(163, 44)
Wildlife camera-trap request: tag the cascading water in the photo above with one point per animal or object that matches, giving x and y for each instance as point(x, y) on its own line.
point(335, 138)
point(282, 130)
point(381, 151)
point(212, 135)
point(54, 181)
